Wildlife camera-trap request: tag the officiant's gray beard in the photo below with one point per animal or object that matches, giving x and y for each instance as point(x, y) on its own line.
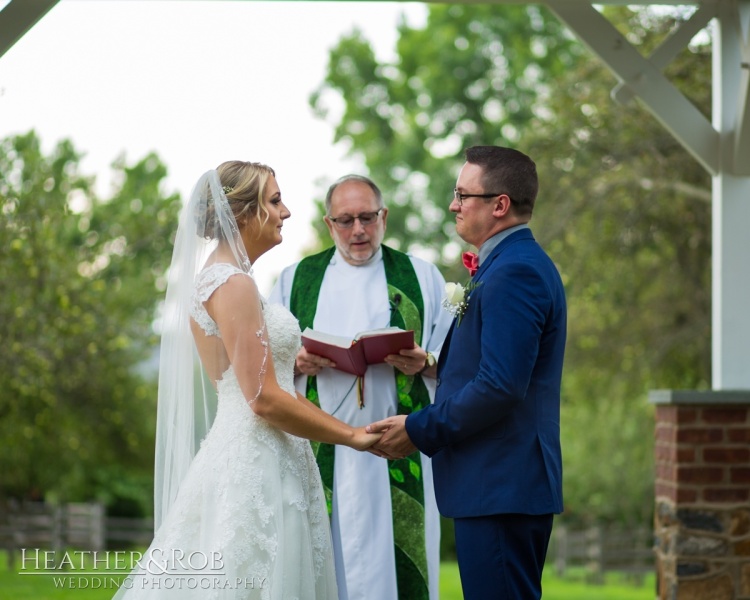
point(374, 258)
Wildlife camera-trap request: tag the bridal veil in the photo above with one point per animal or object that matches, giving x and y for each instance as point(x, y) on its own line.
point(186, 398)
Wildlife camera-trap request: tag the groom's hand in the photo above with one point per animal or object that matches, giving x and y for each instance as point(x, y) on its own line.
point(395, 442)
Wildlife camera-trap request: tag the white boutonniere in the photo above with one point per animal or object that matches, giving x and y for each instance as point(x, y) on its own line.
point(457, 297)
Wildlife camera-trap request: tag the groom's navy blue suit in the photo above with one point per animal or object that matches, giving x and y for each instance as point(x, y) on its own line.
point(494, 430)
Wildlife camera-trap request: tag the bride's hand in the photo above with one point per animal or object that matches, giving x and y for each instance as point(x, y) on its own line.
point(363, 440)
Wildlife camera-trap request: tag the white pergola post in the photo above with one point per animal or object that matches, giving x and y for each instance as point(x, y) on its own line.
point(731, 200)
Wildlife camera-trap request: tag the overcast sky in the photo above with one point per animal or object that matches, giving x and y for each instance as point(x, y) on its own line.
point(198, 82)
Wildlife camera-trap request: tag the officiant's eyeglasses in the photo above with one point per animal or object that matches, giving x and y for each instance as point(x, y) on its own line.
point(347, 221)
point(461, 197)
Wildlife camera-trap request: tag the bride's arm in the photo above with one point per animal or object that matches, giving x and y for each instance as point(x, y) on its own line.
point(235, 308)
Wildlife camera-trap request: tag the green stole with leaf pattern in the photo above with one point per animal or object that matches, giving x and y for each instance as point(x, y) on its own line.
point(407, 484)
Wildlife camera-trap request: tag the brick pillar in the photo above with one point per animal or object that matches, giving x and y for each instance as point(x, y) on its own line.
point(702, 517)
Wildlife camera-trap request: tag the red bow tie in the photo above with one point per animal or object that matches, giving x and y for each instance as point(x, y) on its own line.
point(471, 262)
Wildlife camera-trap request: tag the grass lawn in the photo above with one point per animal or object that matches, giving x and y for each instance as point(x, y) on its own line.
point(572, 587)
point(46, 587)
point(36, 584)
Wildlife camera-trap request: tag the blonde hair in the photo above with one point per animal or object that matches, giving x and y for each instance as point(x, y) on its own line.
point(244, 185)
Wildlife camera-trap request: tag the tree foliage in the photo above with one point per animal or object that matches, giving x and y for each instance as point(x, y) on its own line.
point(475, 73)
point(623, 209)
point(81, 279)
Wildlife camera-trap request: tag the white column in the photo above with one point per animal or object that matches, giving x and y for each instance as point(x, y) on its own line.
point(731, 215)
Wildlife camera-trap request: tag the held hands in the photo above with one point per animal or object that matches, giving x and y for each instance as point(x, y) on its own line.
point(395, 442)
point(386, 438)
point(363, 440)
point(311, 364)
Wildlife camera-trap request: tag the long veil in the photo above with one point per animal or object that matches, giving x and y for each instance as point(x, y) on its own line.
point(186, 403)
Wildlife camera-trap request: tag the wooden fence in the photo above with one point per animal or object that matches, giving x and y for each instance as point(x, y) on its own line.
point(58, 527)
point(599, 549)
point(595, 549)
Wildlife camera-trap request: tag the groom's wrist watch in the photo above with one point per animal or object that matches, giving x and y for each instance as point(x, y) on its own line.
point(429, 361)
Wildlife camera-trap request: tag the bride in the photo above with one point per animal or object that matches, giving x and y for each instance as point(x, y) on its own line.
point(240, 514)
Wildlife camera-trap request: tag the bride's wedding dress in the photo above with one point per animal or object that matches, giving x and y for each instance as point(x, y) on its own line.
point(250, 519)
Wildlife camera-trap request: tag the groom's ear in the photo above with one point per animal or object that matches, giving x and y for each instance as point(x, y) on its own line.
point(502, 206)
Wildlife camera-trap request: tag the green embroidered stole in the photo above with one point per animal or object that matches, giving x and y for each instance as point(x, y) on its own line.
point(407, 484)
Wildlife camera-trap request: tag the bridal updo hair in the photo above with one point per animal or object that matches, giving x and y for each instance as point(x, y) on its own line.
point(244, 185)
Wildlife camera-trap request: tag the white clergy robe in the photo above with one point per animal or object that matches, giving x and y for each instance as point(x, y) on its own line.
point(354, 299)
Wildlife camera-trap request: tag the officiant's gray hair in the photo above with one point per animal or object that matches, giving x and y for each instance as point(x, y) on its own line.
point(361, 179)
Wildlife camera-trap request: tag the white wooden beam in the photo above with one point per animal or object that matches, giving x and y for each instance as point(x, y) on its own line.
point(743, 7)
point(670, 107)
point(17, 17)
point(741, 153)
point(670, 47)
point(730, 298)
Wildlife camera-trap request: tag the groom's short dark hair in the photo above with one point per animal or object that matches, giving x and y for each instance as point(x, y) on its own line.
point(507, 171)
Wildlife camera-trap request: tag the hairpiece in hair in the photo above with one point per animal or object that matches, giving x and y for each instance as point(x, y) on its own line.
point(227, 190)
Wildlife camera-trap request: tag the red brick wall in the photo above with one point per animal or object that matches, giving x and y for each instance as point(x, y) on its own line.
point(702, 516)
point(702, 454)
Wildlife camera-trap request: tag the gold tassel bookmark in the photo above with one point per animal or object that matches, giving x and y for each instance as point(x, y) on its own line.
point(361, 391)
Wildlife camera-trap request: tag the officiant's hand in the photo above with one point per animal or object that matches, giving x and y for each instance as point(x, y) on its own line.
point(409, 361)
point(310, 364)
point(395, 442)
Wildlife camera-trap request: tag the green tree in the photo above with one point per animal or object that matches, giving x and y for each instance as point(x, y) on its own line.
point(623, 209)
point(474, 73)
point(81, 281)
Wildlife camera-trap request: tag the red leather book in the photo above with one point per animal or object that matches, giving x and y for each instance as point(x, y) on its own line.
point(367, 347)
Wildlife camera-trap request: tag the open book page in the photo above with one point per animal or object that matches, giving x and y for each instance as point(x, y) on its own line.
point(327, 338)
point(376, 332)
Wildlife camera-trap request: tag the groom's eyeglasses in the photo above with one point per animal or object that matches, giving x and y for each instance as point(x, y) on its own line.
point(459, 197)
point(347, 221)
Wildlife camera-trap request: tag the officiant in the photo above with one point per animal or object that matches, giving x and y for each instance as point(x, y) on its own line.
point(384, 520)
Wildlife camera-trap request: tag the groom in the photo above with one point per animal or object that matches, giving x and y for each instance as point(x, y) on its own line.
point(493, 432)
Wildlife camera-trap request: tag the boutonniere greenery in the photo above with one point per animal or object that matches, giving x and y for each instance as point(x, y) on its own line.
point(457, 297)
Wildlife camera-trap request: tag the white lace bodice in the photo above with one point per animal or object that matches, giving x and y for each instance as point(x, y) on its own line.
point(281, 326)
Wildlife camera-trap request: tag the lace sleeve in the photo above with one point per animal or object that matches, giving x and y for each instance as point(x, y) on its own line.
point(238, 313)
point(207, 282)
